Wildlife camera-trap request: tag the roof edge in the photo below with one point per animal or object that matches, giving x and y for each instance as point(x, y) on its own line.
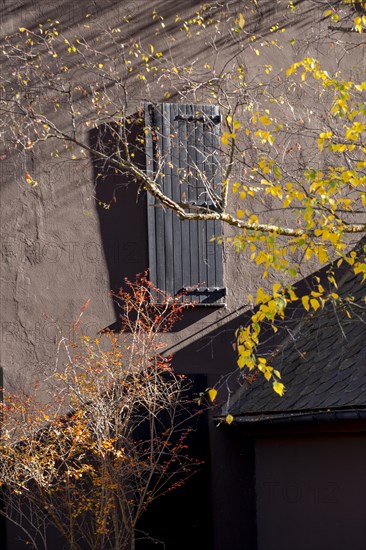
point(299, 417)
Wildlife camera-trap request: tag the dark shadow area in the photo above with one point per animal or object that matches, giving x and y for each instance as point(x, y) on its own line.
point(194, 315)
point(15, 538)
point(183, 517)
point(234, 494)
point(121, 208)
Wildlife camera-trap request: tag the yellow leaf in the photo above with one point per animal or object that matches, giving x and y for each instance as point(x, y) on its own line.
point(261, 296)
point(292, 295)
point(272, 308)
point(277, 172)
point(241, 21)
point(276, 288)
point(250, 363)
point(305, 302)
point(236, 186)
point(322, 255)
point(314, 304)
point(265, 120)
point(225, 138)
point(212, 393)
point(241, 361)
point(278, 387)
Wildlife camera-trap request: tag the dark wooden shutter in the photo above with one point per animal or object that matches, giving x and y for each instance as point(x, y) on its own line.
point(182, 151)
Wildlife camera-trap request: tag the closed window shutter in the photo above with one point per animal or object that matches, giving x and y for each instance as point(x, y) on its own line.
point(182, 151)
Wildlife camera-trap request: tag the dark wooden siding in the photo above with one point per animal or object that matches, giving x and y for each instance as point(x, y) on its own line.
point(182, 150)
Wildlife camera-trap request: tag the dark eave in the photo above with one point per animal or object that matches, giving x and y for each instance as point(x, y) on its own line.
point(299, 417)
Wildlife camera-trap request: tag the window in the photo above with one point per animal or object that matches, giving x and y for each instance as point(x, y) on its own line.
point(182, 152)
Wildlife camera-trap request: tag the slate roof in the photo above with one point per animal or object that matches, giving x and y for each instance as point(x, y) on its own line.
point(322, 360)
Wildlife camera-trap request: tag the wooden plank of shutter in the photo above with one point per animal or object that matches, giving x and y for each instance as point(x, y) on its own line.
point(182, 146)
point(158, 211)
point(167, 214)
point(192, 195)
point(202, 197)
point(210, 245)
point(177, 189)
point(150, 137)
point(216, 178)
point(182, 173)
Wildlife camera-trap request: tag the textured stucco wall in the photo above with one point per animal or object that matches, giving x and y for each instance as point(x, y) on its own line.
point(53, 253)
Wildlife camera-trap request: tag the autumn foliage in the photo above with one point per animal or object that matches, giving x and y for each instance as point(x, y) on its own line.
point(110, 439)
